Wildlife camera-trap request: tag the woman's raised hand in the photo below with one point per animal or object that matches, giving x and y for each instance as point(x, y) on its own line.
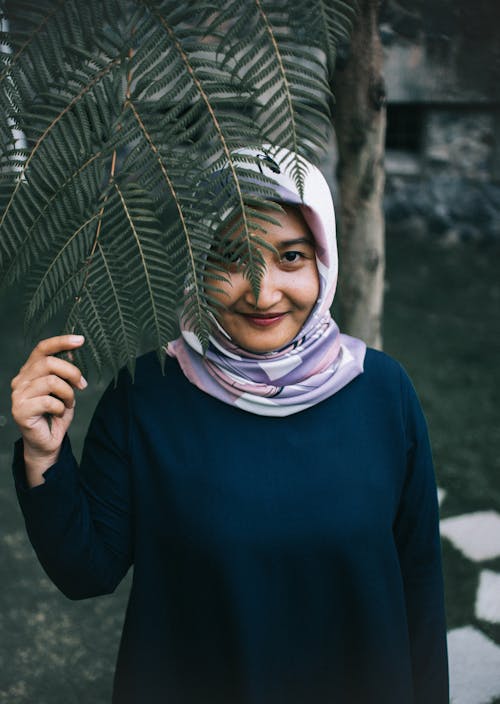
point(43, 401)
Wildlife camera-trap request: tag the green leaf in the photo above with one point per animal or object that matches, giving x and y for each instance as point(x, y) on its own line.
point(118, 163)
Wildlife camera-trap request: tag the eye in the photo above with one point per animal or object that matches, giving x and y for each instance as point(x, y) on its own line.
point(292, 256)
point(231, 259)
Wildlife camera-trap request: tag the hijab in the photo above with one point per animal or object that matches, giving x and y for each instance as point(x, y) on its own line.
point(319, 361)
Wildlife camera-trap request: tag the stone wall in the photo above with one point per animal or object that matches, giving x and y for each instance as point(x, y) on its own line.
point(450, 187)
point(442, 69)
point(442, 51)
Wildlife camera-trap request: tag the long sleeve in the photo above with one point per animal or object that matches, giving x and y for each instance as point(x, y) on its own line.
point(79, 519)
point(275, 560)
point(417, 536)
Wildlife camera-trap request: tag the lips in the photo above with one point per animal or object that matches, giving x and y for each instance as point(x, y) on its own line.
point(263, 320)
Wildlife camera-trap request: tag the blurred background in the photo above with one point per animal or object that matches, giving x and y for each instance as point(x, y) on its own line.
point(441, 320)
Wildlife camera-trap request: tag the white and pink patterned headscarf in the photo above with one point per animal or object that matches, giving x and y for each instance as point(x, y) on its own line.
point(320, 360)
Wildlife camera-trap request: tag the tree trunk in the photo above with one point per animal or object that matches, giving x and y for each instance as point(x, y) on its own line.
point(359, 122)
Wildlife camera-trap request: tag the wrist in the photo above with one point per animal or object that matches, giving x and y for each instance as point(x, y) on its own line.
point(36, 463)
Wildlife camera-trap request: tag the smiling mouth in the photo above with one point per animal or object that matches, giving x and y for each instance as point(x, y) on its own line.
point(263, 319)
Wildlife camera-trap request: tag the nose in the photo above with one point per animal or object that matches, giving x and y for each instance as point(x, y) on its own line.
point(270, 292)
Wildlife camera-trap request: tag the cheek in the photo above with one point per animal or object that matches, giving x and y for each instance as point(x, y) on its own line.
point(221, 291)
point(311, 289)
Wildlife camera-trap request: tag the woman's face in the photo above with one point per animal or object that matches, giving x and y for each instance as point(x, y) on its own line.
point(289, 288)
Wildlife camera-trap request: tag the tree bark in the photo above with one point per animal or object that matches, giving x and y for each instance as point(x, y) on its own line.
point(359, 122)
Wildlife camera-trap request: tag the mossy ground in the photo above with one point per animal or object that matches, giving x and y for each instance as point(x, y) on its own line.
point(442, 322)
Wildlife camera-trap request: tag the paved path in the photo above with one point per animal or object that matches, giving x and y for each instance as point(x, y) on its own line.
point(474, 657)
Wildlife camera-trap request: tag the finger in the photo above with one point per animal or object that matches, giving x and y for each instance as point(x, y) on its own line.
point(27, 413)
point(49, 346)
point(45, 366)
point(54, 345)
point(45, 386)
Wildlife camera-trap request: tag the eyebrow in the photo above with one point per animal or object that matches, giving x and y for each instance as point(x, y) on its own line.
point(299, 240)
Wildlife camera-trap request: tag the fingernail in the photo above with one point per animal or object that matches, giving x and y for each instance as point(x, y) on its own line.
point(83, 383)
point(75, 339)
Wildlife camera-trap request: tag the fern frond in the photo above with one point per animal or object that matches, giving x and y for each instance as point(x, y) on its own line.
point(120, 169)
point(108, 320)
point(197, 307)
point(49, 214)
point(59, 264)
point(48, 130)
point(325, 23)
point(31, 23)
point(146, 269)
point(283, 75)
point(193, 69)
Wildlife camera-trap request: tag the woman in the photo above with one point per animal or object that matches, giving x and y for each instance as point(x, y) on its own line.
point(276, 496)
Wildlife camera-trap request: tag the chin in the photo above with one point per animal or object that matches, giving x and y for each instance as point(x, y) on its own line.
point(263, 346)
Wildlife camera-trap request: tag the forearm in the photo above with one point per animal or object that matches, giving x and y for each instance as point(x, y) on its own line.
point(73, 551)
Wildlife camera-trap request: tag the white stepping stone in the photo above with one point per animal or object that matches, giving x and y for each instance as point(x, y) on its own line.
point(476, 535)
point(441, 495)
point(474, 667)
point(488, 597)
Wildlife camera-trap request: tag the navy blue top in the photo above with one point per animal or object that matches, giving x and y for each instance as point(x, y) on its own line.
point(276, 560)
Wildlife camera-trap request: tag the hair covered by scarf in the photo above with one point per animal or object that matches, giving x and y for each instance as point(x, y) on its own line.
point(319, 361)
